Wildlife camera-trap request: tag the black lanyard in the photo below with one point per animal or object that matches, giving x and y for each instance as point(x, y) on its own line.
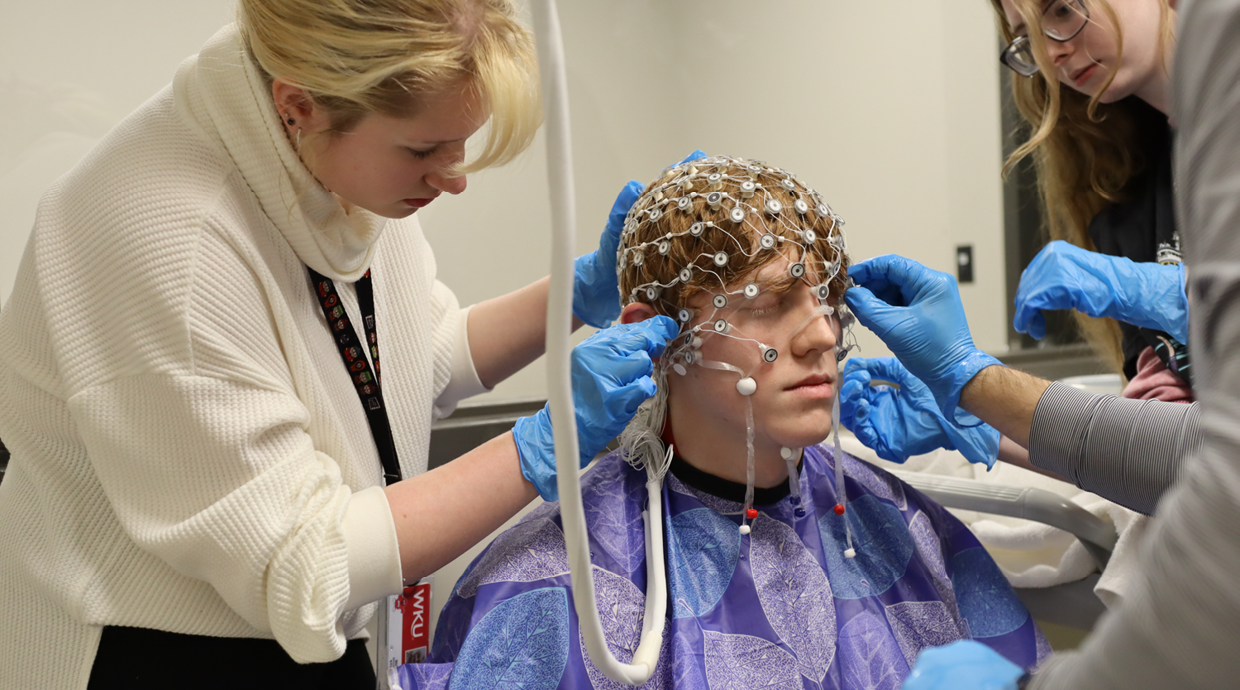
point(367, 383)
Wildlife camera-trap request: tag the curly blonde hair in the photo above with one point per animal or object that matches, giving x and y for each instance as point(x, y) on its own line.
point(825, 258)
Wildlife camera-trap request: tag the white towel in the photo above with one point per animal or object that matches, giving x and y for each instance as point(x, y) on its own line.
point(1031, 554)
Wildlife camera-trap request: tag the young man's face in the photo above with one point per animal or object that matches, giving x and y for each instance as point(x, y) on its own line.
point(792, 403)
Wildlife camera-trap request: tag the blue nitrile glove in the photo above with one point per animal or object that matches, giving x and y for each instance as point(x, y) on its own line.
point(1064, 276)
point(901, 423)
point(917, 313)
point(596, 292)
point(963, 665)
point(611, 378)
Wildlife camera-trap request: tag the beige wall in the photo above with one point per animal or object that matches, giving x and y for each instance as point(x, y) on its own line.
point(890, 109)
point(69, 71)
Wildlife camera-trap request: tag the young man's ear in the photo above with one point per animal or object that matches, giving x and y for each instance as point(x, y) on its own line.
point(637, 311)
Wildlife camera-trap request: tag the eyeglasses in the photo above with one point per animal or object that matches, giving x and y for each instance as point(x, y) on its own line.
point(1062, 20)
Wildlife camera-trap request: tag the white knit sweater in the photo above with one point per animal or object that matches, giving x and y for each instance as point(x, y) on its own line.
point(189, 453)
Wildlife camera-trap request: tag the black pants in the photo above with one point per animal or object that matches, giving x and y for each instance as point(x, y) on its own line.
point(142, 659)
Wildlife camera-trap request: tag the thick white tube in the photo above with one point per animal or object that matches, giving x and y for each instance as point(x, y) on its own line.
point(559, 383)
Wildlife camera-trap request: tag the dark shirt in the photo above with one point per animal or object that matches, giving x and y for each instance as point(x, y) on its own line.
point(725, 489)
point(1142, 227)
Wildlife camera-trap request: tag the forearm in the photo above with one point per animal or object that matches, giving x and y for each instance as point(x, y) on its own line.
point(1005, 399)
point(440, 514)
point(1128, 451)
point(508, 332)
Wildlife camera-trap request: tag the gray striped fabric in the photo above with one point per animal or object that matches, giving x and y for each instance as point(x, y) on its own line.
point(1127, 451)
point(1179, 627)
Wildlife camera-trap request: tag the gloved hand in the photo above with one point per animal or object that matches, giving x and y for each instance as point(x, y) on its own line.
point(611, 378)
point(1064, 276)
point(963, 665)
point(917, 313)
point(900, 423)
point(596, 292)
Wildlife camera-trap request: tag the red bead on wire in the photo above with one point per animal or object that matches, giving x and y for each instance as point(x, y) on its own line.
point(752, 513)
point(839, 509)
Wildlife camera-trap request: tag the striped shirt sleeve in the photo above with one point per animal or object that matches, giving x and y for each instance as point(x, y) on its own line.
point(1127, 451)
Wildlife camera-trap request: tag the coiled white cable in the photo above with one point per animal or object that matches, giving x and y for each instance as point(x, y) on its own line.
point(560, 390)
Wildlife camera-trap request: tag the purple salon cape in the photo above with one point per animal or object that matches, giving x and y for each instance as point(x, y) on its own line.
point(779, 608)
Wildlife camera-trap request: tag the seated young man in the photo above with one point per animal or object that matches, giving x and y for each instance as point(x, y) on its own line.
point(776, 577)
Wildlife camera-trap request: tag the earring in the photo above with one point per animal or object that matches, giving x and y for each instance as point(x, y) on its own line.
point(288, 119)
point(297, 143)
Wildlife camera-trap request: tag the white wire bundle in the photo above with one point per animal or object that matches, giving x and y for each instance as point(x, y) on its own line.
point(641, 444)
point(560, 392)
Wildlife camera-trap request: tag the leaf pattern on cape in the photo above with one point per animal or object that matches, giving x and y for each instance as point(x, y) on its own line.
point(921, 624)
point(530, 551)
point(881, 539)
point(521, 644)
point(622, 610)
point(613, 513)
point(794, 594)
point(869, 657)
point(744, 662)
point(703, 549)
point(688, 666)
point(876, 481)
point(424, 676)
point(930, 549)
point(986, 600)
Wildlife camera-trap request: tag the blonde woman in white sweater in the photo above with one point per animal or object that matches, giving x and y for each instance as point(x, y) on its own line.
point(201, 429)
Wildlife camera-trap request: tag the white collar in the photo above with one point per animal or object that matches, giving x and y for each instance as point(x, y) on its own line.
point(226, 93)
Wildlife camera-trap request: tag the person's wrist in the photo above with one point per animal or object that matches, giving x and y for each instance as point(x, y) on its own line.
point(531, 435)
point(959, 376)
point(974, 392)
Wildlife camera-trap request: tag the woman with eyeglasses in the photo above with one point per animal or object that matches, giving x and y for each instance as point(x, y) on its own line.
point(1177, 627)
point(1092, 79)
